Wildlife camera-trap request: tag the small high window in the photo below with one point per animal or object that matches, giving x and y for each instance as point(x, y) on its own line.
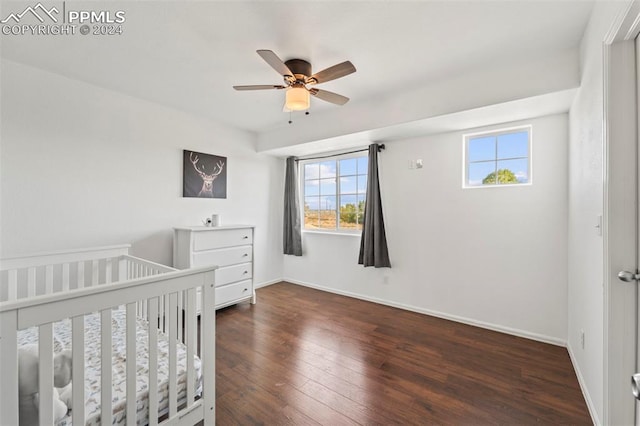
point(497, 158)
point(334, 191)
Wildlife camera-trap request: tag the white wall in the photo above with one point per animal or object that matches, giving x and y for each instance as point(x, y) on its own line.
point(84, 166)
point(586, 299)
point(492, 256)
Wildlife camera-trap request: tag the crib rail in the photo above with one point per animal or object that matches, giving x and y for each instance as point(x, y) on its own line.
point(166, 298)
point(61, 271)
point(49, 273)
point(64, 256)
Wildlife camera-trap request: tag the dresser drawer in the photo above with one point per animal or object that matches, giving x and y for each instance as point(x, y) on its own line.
point(222, 238)
point(223, 257)
point(231, 292)
point(230, 274)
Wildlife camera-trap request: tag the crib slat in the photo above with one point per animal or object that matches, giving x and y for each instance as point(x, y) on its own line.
point(122, 269)
point(208, 348)
point(153, 361)
point(106, 388)
point(180, 324)
point(108, 271)
point(80, 277)
point(65, 277)
point(131, 364)
point(200, 302)
point(173, 342)
point(95, 272)
point(190, 342)
point(45, 373)
point(48, 279)
point(161, 314)
point(13, 284)
point(9, 367)
point(31, 282)
point(144, 308)
point(77, 388)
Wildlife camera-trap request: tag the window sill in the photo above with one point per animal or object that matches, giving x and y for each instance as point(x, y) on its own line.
point(512, 185)
point(341, 234)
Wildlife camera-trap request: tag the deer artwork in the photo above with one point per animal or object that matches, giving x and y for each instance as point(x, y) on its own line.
point(207, 180)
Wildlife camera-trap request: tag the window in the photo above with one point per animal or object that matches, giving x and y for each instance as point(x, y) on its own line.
point(333, 191)
point(498, 158)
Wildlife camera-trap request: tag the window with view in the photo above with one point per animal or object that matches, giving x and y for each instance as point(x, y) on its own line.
point(498, 158)
point(334, 193)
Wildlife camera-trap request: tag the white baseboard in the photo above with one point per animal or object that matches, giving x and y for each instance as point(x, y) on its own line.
point(267, 283)
point(583, 387)
point(489, 326)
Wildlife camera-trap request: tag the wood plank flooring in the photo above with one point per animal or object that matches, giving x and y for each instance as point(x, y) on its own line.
point(306, 357)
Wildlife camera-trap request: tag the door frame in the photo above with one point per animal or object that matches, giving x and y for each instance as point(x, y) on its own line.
point(620, 166)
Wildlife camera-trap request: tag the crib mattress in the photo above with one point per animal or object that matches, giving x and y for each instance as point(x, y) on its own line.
point(62, 340)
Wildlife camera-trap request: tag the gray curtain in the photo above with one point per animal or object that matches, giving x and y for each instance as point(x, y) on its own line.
point(373, 244)
point(292, 235)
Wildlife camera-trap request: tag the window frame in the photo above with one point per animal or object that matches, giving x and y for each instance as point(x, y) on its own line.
point(496, 133)
point(301, 182)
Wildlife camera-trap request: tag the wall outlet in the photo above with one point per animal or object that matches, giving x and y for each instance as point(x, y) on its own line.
point(582, 339)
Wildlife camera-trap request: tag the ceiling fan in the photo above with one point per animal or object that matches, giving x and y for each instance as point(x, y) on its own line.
point(297, 77)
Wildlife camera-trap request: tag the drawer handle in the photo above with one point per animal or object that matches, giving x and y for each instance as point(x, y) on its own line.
point(245, 237)
point(245, 290)
point(245, 272)
point(245, 255)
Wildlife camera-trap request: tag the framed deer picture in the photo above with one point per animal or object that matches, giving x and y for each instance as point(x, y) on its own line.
point(205, 175)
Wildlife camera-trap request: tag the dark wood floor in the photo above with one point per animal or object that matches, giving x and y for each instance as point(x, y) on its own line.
point(301, 356)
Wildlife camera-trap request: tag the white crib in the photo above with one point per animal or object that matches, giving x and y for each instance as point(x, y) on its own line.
point(64, 289)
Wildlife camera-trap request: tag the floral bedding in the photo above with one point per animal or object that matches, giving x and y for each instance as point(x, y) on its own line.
point(62, 340)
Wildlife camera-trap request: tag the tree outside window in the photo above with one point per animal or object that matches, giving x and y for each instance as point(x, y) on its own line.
point(498, 158)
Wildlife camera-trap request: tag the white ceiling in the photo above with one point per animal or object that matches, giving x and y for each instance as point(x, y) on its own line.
point(188, 55)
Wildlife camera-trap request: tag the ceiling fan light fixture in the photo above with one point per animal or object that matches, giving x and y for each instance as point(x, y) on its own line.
point(297, 99)
point(297, 75)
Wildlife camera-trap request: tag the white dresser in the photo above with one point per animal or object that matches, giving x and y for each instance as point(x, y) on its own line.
point(228, 247)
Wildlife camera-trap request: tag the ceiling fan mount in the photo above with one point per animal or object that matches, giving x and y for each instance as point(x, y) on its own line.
point(297, 75)
point(300, 68)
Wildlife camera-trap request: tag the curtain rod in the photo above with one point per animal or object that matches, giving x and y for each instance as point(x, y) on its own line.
point(380, 148)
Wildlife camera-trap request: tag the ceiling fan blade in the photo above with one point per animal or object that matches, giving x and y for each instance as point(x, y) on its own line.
point(331, 73)
point(328, 96)
point(259, 87)
point(275, 62)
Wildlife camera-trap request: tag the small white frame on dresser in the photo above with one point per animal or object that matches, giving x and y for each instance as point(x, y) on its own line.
point(230, 248)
